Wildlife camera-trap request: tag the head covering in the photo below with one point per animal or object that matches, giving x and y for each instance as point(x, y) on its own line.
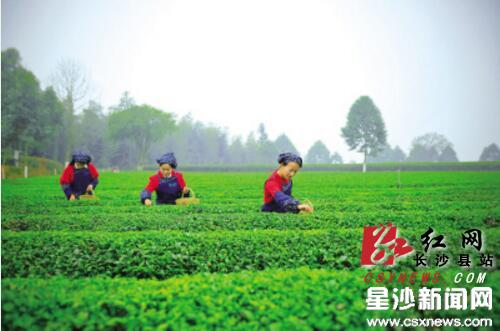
point(79, 156)
point(290, 157)
point(168, 158)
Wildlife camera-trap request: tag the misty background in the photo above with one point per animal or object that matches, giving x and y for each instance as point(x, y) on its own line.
point(227, 82)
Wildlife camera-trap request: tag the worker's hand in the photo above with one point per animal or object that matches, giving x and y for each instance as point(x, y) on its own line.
point(72, 197)
point(305, 208)
point(185, 190)
point(90, 188)
point(148, 202)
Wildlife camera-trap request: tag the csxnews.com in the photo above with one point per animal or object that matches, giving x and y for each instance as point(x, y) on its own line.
point(429, 322)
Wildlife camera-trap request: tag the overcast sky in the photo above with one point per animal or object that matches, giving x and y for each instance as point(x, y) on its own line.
point(296, 66)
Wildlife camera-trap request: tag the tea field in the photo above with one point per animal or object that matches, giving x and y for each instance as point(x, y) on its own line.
point(112, 263)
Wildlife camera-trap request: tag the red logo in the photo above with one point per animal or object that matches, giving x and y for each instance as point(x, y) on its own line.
point(381, 245)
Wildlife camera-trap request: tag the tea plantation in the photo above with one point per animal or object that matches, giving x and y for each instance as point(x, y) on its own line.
point(112, 263)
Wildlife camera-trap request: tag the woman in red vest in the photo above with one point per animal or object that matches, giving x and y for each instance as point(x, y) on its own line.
point(79, 177)
point(278, 187)
point(168, 183)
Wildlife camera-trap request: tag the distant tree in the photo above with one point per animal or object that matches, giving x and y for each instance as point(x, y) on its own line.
point(429, 148)
point(126, 101)
point(252, 149)
point(143, 125)
point(490, 153)
point(91, 124)
point(284, 144)
point(236, 152)
point(49, 124)
point(388, 154)
point(71, 85)
point(11, 60)
point(70, 82)
point(183, 140)
point(398, 154)
point(222, 145)
point(20, 103)
point(336, 158)
point(365, 128)
point(448, 155)
point(318, 154)
point(267, 151)
point(214, 144)
point(195, 143)
point(31, 117)
point(419, 153)
point(384, 155)
point(121, 154)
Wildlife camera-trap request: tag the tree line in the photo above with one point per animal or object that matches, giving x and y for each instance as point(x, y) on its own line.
point(46, 123)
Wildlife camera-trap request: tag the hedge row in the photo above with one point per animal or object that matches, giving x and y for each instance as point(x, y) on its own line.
point(386, 166)
point(37, 166)
point(164, 254)
point(301, 299)
point(88, 220)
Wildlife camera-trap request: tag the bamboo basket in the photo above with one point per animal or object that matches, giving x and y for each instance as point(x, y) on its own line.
point(182, 201)
point(88, 197)
point(309, 203)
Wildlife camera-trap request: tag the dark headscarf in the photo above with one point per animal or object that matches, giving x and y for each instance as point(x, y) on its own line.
point(285, 158)
point(168, 158)
point(79, 156)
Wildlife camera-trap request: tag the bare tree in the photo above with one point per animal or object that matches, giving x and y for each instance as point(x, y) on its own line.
point(71, 85)
point(70, 82)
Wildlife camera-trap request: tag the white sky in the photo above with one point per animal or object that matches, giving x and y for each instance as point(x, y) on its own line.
point(297, 66)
